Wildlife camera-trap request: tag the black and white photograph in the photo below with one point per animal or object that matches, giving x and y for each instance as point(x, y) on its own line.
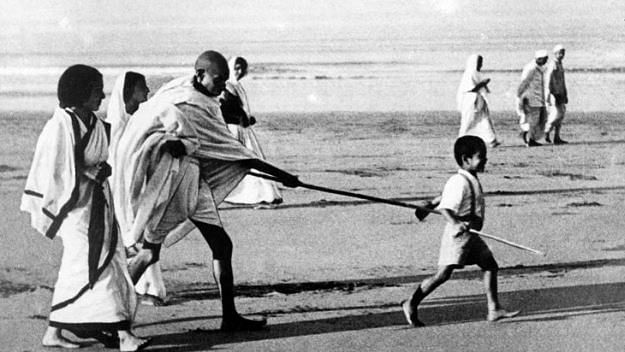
point(312, 175)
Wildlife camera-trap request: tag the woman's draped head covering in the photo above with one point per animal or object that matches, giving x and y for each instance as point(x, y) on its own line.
point(470, 77)
point(234, 86)
point(76, 84)
point(116, 111)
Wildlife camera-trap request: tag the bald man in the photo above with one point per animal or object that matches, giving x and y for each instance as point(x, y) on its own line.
point(179, 136)
point(532, 90)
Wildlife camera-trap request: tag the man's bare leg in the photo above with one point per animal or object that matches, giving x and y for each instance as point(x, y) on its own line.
point(221, 246)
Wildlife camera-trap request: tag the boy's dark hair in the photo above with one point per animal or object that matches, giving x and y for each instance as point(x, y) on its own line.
point(468, 146)
point(76, 84)
point(130, 81)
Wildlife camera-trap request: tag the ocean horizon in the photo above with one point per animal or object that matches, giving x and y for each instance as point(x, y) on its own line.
point(318, 55)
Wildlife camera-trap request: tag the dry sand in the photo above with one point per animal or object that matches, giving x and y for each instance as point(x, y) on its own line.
point(330, 270)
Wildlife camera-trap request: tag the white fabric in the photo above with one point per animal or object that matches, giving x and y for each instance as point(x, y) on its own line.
point(556, 115)
point(236, 88)
point(521, 109)
point(151, 282)
point(532, 84)
point(112, 298)
point(252, 190)
point(536, 118)
point(457, 195)
point(473, 106)
point(178, 111)
point(52, 172)
point(467, 248)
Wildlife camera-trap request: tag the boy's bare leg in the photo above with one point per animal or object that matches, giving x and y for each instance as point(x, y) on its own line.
point(426, 287)
point(53, 338)
point(490, 283)
point(495, 312)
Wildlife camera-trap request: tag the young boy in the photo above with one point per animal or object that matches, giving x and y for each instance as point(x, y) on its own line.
point(462, 205)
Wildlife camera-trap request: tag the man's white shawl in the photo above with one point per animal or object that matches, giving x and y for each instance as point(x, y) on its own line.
point(149, 177)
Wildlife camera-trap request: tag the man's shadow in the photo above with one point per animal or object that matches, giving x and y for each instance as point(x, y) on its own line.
point(538, 305)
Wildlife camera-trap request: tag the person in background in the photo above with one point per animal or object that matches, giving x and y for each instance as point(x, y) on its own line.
point(236, 111)
point(557, 96)
point(472, 103)
point(532, 89)
point(129, 91)
point(67, 195)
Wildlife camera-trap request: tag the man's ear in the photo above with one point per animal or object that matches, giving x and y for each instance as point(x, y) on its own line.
point(199, 73)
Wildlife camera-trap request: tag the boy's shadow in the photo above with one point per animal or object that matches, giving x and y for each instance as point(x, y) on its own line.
point(538, 305)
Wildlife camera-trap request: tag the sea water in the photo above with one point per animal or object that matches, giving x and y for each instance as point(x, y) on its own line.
point(311, 56)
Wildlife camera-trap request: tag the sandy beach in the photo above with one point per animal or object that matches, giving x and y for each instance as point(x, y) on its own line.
point(329, 270)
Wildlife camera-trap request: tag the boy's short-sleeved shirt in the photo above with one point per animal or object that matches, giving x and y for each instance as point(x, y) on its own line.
point(465, 249)
point(457, 195)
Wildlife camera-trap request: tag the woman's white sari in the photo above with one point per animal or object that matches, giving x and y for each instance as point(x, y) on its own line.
point(474, 105)
point(93, 289)
point(151, 282)
point(251, 190)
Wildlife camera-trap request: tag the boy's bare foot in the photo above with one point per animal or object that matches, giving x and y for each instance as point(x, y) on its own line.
point(129, 342)
point(238, 323)
point(53, 338)
point(495, 315)
point(410, 313)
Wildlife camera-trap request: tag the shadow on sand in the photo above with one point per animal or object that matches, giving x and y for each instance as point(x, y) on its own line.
point(538, 305)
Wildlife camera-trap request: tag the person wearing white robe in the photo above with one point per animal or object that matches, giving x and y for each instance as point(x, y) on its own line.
point(67, 195)
point(473, 104)
point(129, 91)
point(532, 90)
point(557, 95)
point(181, 162)
point(251, 190)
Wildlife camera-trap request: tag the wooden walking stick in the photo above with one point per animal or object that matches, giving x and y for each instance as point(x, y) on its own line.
point(399, 204)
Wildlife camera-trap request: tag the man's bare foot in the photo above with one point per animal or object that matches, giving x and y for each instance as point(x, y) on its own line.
point(129, 342)
point(53, 338)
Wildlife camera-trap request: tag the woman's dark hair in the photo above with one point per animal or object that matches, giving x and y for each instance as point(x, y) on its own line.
point(241, 62)
point(467, 146)
point(130, 81)
point(76, 84)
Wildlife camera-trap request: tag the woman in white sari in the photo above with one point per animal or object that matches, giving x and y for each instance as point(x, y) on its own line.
point(129, 92)
point(67, 195)
point(473, 104)
point(236, 111)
